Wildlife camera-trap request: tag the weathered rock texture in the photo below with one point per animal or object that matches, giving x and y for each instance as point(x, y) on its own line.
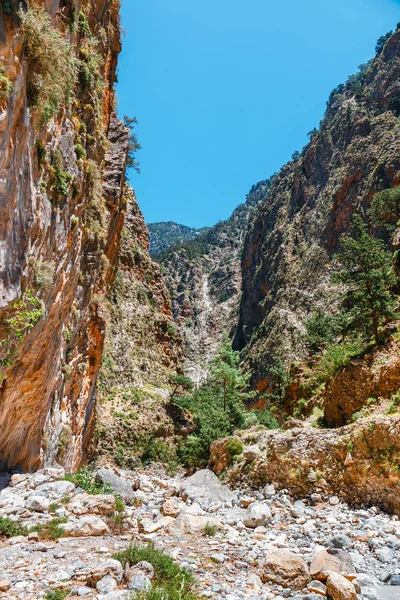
point(62, 249)
point(204, 280)
point(288, 251)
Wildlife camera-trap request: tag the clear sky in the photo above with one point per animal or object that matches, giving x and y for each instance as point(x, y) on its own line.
point(226, 90)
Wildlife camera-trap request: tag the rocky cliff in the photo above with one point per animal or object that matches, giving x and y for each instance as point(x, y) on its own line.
point(204, 280)
point(288, 251)
point(63, 200)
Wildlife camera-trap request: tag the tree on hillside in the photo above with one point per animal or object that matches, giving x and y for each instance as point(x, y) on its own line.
point(385, 208)
point(180, 383)
point(368, 277)
point(382, 41)
point(226, 370)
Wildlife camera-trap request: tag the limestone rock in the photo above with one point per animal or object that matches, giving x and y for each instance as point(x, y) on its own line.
point(205, 488)
point(338, 588)
point(86, 526)
point(257, 515)
point(171, 508)
point(119, 485)
point(282, 567)
point(37, 503)
point(335, 560)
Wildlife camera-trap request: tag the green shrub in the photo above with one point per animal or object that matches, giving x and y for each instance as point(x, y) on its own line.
point(336, 357)
point(385, 208)
point(57, 594)
point(80, 152)
point(266, 418)
point(210, 529)
point(5, 86)
point(52, 66)
point(85, 479)
point(9, 528)
point(170, 581)
point(61, 179)
point(52, 530)
point(234, 447)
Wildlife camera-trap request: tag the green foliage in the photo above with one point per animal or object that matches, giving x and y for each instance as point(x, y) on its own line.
point(210, 529)
point(9, 528)
point(61, 179)
point(52, 530)
point(52, 66)
point(266, 418)
point(321, 330)
point(235, 447)
point(380, 44)
point(5, 86)
point(170, 581)
point(301, 403)
point(85, 479)
point(43, 273)
point(80, 152)
point(279, 380)
point(134, 145)
point(57, 594)
point(25, 314)
point(10, 7)
point(367, 274)
point(180, 383)
point(336, 357)
point(225, 370)
point(385, 208)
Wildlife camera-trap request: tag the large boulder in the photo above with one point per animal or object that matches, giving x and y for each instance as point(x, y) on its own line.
point(103, 504)
point(205, 488)
point(331, 559)
point(339, 588)
point(257, 515)
point(281, 567)
point(37, 503)
point(120, 486)
point(186, 523)
point(86, 526)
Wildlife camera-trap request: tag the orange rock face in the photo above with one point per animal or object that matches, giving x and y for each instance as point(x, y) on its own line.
point(61, 250)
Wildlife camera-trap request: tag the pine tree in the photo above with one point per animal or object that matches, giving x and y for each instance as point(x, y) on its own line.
point(366, 271)
point(226, 370)
point(385, 208)
point(181, 383)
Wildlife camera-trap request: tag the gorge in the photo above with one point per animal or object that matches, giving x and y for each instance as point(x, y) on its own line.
point(138, 362)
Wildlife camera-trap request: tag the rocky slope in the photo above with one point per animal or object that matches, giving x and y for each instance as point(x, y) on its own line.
point(166, 234)
point(288, 251)
point(63, 201)
point(239, 544)
point(204, 280)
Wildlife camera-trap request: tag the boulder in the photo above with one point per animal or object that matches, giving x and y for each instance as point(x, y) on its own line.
point(257, 515)
point(109, 568)
point(139, 583)
point(103, 504)
point(317, 587)
point(186, 523)
point(171, 508)
point(86, 526)
point(332, 559)
point(339, 588)
point(106, 585)
point(119, 485)
point(37, 503)
point(56, 489)
point(281, 567)
point(10, 501)
point(251, 453)
point(205, 488)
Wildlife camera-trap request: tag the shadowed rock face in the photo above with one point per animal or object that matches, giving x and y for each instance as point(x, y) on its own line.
point(62, 250)
point(288, 251)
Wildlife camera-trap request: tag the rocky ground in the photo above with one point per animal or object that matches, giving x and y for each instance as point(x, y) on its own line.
point(241, 545)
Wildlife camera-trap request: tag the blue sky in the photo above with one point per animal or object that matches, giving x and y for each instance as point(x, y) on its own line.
point(226, 90)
